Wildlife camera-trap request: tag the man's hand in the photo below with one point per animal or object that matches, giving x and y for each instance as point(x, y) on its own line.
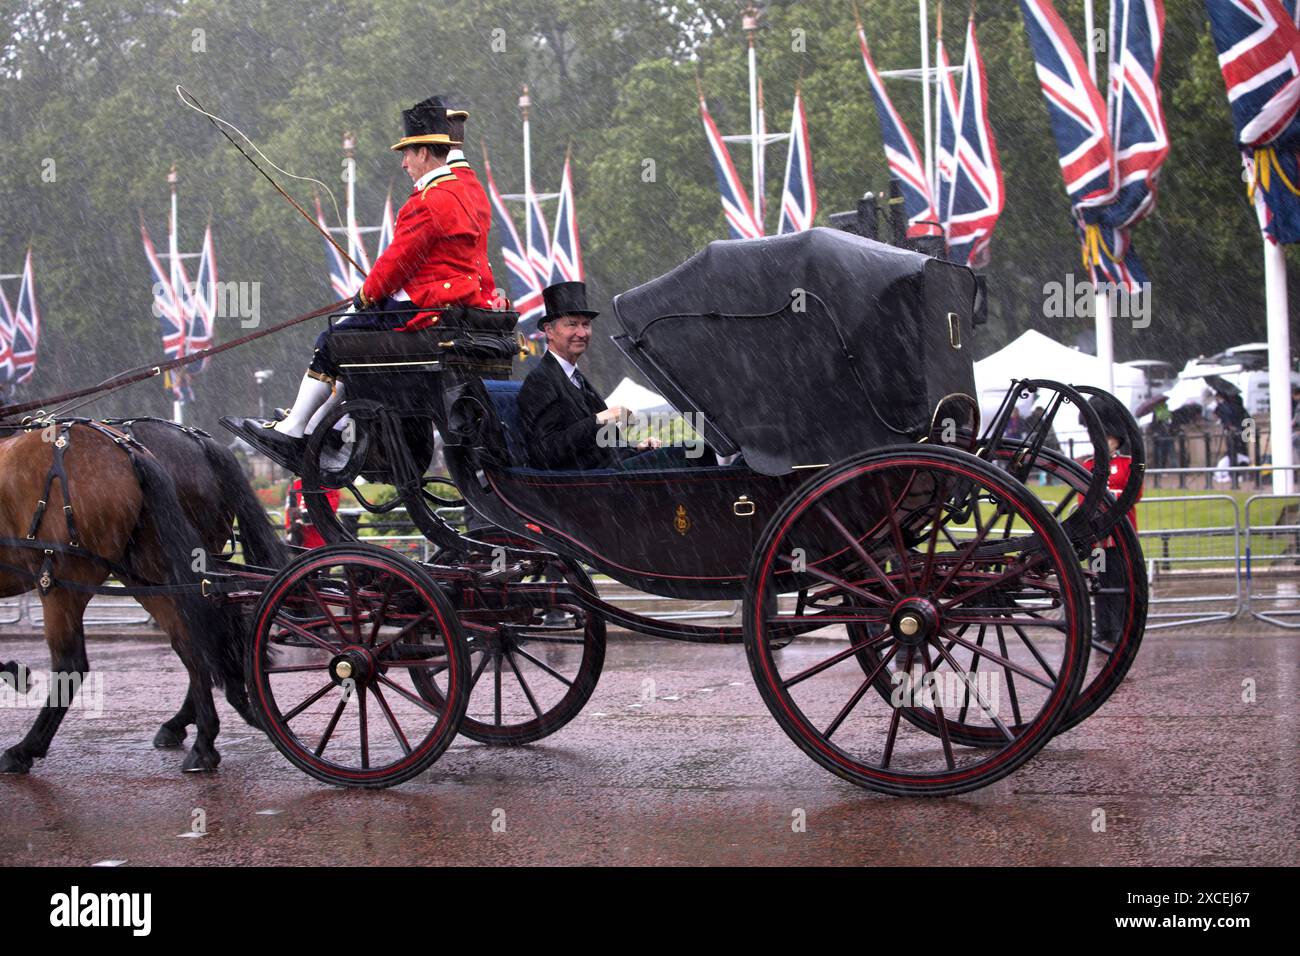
point(647, 443)
point(358, 303)
point(616, 414)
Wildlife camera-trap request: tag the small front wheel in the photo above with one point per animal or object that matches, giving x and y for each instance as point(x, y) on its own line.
point(343, 641)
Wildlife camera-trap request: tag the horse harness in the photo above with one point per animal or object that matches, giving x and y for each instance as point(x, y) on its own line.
point(45, 579)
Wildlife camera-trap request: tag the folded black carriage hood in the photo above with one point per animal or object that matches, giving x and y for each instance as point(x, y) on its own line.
point(802, 349)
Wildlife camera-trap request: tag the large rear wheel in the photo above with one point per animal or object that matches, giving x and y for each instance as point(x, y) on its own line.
point(917, 551)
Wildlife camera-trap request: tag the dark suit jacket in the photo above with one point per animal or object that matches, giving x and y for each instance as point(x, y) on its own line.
point(559, 421)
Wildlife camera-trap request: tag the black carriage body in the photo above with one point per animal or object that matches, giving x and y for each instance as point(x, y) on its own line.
point(796, 351)
point(799, 350)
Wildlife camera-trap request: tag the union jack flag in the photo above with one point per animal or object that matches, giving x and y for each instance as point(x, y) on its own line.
point(1077, 111)
point(167, 303)
point(358, 248)
point(525, 289)
point(27, 326)
point(799, 195)
point(535, 238)
point(736, 206)
point(1259, 55)
point(343, 287)
point(945, 141)
point(385, 228)
point(6, 340)
point(974, 196)
point(1109, 194)
point(202, 301)
point(905, 163)
point(566, 250)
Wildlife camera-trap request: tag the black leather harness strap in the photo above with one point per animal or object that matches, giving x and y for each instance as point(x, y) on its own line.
point(217, 583)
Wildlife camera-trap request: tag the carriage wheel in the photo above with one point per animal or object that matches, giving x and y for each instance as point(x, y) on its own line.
point(1125, 586)
point(535, 662)
point(340, 638)
point(906, 546)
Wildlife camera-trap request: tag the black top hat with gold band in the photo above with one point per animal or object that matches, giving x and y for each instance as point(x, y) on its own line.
point(425, 124)
point(565, 298)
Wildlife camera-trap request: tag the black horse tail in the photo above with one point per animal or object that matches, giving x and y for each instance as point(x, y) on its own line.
point(262, 546)
point(215, 633)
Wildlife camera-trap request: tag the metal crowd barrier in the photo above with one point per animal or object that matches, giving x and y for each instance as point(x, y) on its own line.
point(12, 609)
point(1192, 546)
point(1273, 559)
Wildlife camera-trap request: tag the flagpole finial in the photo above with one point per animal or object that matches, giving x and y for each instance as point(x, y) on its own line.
point(172, 177)
point(749, 21)
point(524, 102)
point(699, 87)
point(349, 143)
point(857, 16)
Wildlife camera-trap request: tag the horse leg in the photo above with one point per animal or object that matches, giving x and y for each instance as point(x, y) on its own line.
point(68, 666)
point(198, 706)
point(171, 734)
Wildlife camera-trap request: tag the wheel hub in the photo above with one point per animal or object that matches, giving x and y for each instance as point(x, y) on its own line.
point(354, 663)
point(914, 621)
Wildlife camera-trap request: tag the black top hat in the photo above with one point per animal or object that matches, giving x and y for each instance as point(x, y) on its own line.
point(425, 124)
point(452, 102)
point(565, 298)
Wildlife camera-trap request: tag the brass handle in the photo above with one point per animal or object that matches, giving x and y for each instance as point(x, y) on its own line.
point(743, 507)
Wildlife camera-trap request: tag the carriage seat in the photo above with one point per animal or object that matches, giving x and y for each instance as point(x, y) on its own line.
point(505, 400)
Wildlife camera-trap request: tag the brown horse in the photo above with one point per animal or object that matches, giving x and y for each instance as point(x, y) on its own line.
point(117, 502)
point(213, 493)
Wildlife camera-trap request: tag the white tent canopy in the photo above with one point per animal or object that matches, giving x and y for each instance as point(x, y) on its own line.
point(637, 398)
point(1035, 355)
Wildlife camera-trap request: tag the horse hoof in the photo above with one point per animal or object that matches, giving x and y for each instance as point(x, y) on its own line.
point(16, 675)
point(168, 739)
point(196, 762)
point(12, 763)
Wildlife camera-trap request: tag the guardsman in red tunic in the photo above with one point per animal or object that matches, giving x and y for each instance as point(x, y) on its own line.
point(435, 261)
point(1111, 600)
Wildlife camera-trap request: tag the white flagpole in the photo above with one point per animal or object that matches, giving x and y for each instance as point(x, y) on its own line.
point(173, 247)
point(1101, 304)
point(524, 103)
point(750, 24)
point(925, 94)
point(1279, 366)
point(350, 170)
point(940, 78)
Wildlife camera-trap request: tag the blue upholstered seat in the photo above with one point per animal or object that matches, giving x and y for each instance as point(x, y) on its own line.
point(505, 399)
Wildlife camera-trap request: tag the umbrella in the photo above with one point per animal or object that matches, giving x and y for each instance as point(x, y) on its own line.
point(1221, 384)
point(1149, 405)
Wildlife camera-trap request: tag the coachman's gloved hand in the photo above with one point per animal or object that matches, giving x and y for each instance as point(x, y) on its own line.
point(358, 303)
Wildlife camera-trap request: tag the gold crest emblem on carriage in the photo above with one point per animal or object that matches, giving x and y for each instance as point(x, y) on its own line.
point(680, 521)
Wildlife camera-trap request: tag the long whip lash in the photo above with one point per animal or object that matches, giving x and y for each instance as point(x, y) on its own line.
point(189, 100)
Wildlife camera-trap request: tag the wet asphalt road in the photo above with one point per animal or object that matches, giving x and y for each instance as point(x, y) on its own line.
point(1184, 770)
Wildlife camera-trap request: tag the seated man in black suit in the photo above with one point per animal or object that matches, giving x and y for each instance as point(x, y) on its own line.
point(564, 419)
point(561, 414)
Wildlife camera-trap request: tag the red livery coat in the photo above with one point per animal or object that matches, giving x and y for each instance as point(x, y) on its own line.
point(1119, 470)
point(434, 255)
point(481, 207)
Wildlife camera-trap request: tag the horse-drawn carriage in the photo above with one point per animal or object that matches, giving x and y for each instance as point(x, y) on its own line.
point(915, 617)
point(916, 594)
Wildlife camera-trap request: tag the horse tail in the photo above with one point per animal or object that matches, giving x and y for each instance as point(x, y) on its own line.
point(215, 631)
point(262, 546)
